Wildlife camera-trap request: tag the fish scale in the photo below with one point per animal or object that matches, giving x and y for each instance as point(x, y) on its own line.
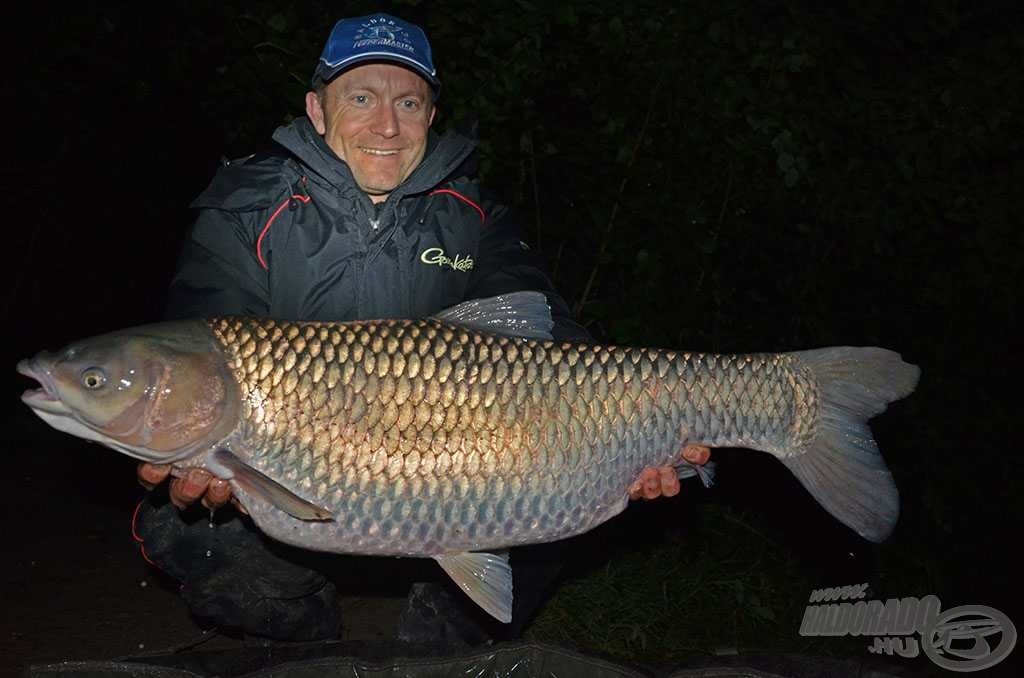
point(475, 417)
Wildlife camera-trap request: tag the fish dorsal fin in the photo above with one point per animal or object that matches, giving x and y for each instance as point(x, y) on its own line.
point(485, 577)
point(226, 465)
point(517, 314)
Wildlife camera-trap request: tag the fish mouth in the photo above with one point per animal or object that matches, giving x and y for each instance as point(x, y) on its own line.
point(45, 397)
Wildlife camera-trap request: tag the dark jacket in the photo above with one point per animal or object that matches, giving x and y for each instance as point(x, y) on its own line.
point(290, 235)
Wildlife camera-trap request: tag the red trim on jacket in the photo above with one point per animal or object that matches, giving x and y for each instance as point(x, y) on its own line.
point(138, 539)
point(483, 217)
point(266, 227)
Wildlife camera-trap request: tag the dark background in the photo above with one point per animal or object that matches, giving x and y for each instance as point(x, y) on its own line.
point(712, 175)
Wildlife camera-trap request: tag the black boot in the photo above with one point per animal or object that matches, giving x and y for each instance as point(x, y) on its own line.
point(234, 577)
point(440, 615)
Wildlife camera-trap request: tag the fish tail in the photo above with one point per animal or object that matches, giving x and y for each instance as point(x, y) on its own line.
point(840, 464)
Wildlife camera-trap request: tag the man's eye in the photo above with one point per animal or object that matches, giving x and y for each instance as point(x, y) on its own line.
point(410, 104)
point(360, 99)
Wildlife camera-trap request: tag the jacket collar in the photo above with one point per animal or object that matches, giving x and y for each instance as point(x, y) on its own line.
point(444, 155)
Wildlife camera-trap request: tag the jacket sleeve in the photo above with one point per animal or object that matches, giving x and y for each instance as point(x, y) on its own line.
point(218, 272)
point(505, 263)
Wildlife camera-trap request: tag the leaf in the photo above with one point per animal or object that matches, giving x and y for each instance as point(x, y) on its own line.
point(566, 15)
point(526, 142)
point(277, 23)
point(782, 140)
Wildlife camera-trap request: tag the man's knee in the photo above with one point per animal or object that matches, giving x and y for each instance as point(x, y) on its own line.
point(232, 575)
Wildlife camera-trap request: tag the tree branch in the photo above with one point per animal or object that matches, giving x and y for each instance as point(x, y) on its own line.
point(618, 201)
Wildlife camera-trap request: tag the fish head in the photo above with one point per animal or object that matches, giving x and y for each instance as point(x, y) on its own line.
point(159, 393)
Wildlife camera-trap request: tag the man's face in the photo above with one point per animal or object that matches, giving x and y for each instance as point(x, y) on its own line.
point(375, 118)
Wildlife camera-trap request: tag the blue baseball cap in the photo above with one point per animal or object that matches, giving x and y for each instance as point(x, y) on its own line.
point(376, 37)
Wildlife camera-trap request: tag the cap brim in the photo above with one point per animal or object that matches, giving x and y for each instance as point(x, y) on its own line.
point(327, 72)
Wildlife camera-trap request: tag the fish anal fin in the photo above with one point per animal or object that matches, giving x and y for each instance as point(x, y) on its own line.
point(706, 472)
point(264, 488)
point(485, 577)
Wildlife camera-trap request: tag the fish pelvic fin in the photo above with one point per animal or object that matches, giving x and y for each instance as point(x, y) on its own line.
point(264, 488)
point(841, 466)
point(485, 577)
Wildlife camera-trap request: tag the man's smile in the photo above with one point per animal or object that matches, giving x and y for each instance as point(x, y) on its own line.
point(380, 151)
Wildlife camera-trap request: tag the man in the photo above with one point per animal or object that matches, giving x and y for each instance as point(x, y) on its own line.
point(359, 211)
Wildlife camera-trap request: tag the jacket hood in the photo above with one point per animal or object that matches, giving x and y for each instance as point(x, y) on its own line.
point(445, 155)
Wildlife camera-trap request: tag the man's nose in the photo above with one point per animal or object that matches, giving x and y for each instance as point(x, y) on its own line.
point(385, 121)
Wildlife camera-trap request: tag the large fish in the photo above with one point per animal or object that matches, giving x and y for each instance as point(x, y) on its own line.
point(456, 436)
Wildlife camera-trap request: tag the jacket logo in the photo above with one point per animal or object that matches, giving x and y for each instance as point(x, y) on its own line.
point(435, 256)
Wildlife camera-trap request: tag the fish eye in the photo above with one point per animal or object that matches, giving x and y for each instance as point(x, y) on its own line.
point(93, 378)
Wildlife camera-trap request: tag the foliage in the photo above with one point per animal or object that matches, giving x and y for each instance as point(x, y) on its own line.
point(725, 588)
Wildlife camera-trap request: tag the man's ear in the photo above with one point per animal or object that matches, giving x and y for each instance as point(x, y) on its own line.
point(315, 112)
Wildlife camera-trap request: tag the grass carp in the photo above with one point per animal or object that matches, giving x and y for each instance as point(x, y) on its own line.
point(456, 436)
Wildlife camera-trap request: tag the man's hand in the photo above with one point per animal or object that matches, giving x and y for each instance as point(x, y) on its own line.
point(186, 489)
point(664, 481)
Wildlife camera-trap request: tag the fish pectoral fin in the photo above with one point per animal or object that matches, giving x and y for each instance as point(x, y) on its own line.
point(267, 489)
point(485, 577)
